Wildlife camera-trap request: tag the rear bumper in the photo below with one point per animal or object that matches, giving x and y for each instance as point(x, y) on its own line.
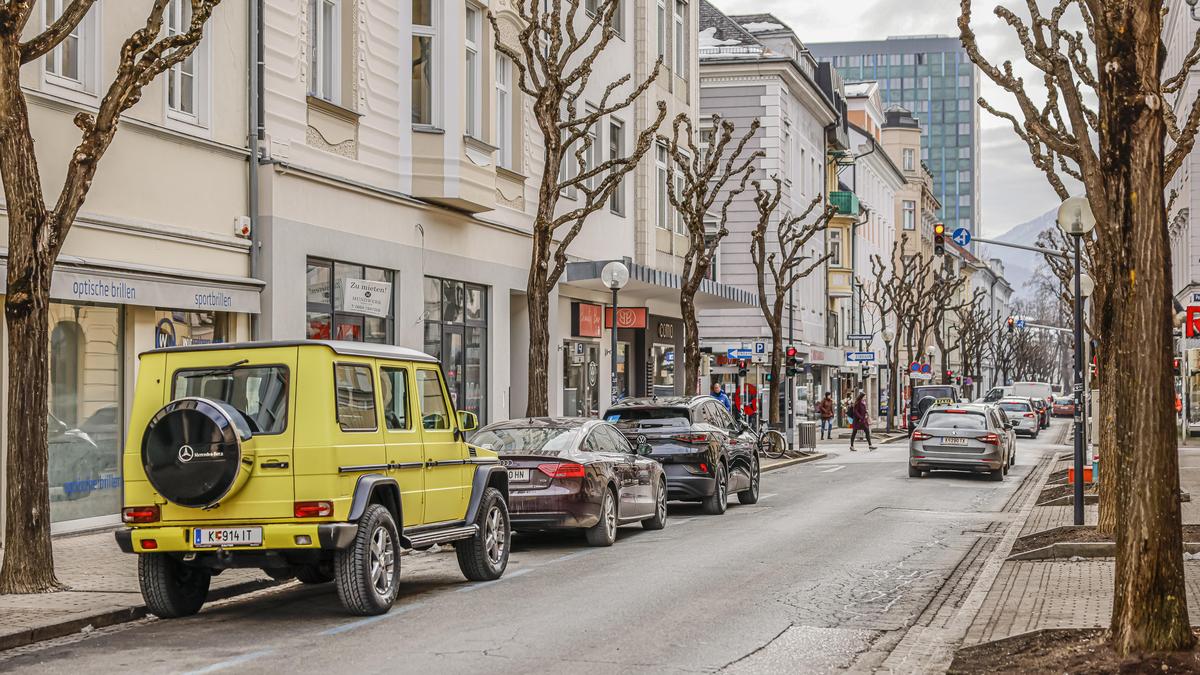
point(557, 506)
point(276, 537)
point(682, 484)
point(982, 463)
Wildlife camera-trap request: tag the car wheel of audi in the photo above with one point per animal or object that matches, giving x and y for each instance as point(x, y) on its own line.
point(604, 532)
point(659, 520)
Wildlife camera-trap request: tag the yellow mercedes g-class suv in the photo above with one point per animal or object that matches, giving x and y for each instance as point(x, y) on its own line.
point(314, 460)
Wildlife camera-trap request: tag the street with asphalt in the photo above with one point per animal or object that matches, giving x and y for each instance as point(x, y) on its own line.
point(845, 563)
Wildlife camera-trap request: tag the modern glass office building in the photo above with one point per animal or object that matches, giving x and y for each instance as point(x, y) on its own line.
point(932, 77)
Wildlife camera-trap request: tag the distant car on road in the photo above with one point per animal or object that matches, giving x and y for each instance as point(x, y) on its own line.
point(1043, 410)
point(924, 397)
point(577, 473)
point(1022, 412)
point(1063, 407)
point(706, 454)
point(962, 437)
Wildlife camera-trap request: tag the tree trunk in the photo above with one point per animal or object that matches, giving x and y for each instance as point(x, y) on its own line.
point(691, 341)
point(778, 382)
point(538, 404)
point(1149, 603)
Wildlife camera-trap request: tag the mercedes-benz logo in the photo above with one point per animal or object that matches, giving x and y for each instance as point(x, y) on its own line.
point(186, 453)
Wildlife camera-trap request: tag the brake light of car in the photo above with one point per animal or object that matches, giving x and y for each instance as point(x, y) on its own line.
point(140, 514)
point(691, 439)
point(956, 412)
point(563, 470)
point(1029, 415)
point(149, 544)
point(920, 436)
point(320, 509)
point(991, 439)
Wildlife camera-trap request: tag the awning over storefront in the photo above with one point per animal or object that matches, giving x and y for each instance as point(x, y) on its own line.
point(647, 283)
point(108, 282)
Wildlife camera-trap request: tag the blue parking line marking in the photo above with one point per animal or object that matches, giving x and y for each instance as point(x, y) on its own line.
point(229, 663)
point(372, 619)
point(483, 584)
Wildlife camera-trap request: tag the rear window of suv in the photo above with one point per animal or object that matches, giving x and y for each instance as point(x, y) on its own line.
point(260, 393)
point(948, 420)
point(648, 418)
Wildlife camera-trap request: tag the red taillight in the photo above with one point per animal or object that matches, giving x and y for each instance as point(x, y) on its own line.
point(149, 544)
point(703, 467)
point(1030, 415)
point(321, 509)
point(691, 439)
point(920, 436)
point(564, 470)
point(140, 514)
point(956, 412)
point(991, 439)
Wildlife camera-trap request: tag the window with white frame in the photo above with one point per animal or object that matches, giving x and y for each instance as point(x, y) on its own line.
point(474, 112)
point(184, 78)
point(424, 53)
point(504, 115)
point(680, 225)
point(835, 248)
point(661, 219)
point(72, 60)
point(910, 215)
point(910, 159)
point(681, 14)
point(616, 150)
point(591, 151)
point(324, 49)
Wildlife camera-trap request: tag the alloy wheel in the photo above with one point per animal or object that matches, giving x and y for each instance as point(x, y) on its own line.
point(610, 516)
point(494, 535)
point(722, 484)
point(660, 509)
point(382, 560)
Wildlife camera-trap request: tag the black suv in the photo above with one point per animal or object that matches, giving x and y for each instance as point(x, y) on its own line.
point(705, 453)
point(924, 397)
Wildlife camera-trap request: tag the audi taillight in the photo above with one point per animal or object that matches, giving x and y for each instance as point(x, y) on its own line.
point(321, 509)
point(563, 470)
point(920, 436)
point(1030, 415)
point(991, 439)
point(140, 514)
point(691, 439)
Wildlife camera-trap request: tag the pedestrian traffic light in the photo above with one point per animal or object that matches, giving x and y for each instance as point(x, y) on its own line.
point(1176, 366)
point(769, 377)
point(939, 239)
point(949, 374)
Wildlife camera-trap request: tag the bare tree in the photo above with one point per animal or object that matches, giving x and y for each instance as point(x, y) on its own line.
point(36, 234)
point(558, 48)
point(897, 293)
point(1118, 152)
point(698, 176)
point(786, 261)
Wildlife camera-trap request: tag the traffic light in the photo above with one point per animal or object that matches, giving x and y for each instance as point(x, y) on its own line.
point(1012, 323)
point(1176, 367)
point(949, 375)
point(939, 239)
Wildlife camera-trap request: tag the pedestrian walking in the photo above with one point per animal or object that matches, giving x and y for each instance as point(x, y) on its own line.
point(721, 396)
point(825, 410)
point(860, 421)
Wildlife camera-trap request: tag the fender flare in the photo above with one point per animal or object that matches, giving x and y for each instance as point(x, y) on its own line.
point(367, 487)
point(485, 476)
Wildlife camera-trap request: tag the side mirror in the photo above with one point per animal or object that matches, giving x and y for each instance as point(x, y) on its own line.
point(467, 421)
point(645, 449)
point(1013, 424)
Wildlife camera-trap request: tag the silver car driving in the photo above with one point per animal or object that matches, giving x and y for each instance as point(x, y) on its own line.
point(1021, 411)
point(961, 437)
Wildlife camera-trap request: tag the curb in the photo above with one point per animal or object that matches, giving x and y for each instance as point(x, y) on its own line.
point(113, 617)
point(783, 464)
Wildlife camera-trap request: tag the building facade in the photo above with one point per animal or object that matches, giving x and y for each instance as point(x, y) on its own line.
point(917, 205)
point(157, 255)
point(1179, 29)
point(932, 77)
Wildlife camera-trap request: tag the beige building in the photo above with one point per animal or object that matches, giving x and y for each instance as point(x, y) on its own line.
point(155, 256)
point(917, 205)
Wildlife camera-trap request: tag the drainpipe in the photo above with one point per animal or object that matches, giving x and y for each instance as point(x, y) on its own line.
point(254, 124)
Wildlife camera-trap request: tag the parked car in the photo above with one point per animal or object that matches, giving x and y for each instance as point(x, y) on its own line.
point(962, 437)
point(1021, 411)
point(573, 473)
point(996, 393)
point(705, 454)
point(232, 463)
point(924, 397)
point(1063, 407)
point(1043, 411)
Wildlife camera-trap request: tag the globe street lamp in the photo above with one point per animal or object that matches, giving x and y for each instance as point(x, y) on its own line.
point(1076, 219)
point(614, 275)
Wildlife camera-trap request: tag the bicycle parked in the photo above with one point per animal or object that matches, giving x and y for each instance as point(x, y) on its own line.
point(770, 443)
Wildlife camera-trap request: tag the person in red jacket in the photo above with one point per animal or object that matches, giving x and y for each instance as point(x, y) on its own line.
point(861, 421)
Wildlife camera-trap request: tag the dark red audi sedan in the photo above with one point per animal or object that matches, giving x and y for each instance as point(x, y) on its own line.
point(576, 473)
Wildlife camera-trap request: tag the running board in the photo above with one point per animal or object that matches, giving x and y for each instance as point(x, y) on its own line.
point(427, 539)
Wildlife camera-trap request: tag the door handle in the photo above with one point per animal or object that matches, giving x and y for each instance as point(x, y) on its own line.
point(274, 465)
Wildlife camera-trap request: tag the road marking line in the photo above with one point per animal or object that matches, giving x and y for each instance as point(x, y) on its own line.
point(398, 611)
point(834, 468)
point(482, 584)
point(767, 496)
point(229, 663)
point(572, 556)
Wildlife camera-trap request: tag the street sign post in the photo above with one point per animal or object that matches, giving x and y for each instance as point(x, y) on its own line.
point(860, 357)
point(962, 237)
point(739, 353)
point(760, 348)
point(1021, 323)
point(860, 337)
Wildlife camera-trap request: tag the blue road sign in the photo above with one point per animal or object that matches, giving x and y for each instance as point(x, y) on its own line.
point(738, 353)
point(961, 236)
point(760, 348)
point(860, 357)
point(1020, 323)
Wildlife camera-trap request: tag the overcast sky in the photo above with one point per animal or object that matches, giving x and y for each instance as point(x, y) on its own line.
point(1012, 190)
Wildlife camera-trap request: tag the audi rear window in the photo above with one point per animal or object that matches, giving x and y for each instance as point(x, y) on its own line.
point(259, 393)
point(527, 441)
point(948, 420)
point(648, 418)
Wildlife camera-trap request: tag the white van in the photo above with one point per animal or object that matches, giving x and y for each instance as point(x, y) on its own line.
point(1042, 390)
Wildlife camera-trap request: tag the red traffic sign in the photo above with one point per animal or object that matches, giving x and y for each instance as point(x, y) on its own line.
point(915, 367)
point(1192, 325)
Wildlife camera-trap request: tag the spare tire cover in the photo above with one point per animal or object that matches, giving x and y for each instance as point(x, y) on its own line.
point(192, 451)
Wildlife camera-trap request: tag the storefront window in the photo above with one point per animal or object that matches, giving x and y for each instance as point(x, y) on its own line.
point(663, 357)
point(581, 379)
point(176, 329)
point(85, 420)
point(456, 319)
point(349, 302)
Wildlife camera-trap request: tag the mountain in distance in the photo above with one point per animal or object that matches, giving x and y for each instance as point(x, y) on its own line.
point(1019, 265)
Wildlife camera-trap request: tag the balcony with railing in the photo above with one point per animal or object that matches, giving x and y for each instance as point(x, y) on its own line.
point(845, 202)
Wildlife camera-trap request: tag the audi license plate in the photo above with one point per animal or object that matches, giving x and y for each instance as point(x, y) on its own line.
point(954, 441)
point(227, 536)
point(518, 475)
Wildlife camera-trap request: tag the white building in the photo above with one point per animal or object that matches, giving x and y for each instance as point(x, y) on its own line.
point(1179, 30)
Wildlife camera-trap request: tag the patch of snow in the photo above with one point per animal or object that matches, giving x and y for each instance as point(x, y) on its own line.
point(708, 39)
point(762, 26)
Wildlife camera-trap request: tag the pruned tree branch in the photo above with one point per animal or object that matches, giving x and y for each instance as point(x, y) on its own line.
point(42, 43)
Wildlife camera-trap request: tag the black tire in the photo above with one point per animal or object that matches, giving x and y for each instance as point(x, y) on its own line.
point(659, 520)
point(604, 532)
point(914, 472)
point(484, 557)
point(715, 504)
point(750, 494)
point(997, 475)
point(368, 570)
point(170, 588)
point(319, 573)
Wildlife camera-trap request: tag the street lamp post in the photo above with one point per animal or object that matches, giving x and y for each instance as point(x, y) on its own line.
point(1075, 218)
point(888, 336)
point(614, 275)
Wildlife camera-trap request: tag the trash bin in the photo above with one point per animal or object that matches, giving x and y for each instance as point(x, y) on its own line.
point(806, 436)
